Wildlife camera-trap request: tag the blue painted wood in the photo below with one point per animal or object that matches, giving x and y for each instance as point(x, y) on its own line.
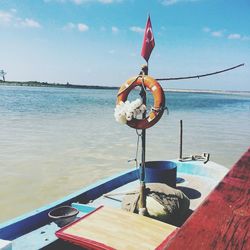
point(37, 239)
point(38, 218)
point(83, 208)
point(44, 236)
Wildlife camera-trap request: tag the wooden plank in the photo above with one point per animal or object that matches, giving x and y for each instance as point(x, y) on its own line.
point(109, 228)
point(222, 221)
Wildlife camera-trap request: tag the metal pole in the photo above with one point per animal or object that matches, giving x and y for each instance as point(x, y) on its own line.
point(181, 136)
point(142, 199)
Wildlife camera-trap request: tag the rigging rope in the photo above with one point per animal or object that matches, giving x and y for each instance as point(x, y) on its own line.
point(198, 76)
point(139, 135)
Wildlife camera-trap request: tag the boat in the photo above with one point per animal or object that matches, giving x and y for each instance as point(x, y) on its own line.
point(36, 230)
point(217, 215)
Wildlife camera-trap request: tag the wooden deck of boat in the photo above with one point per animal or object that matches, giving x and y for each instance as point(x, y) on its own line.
point(110, 228)
point(223, 219)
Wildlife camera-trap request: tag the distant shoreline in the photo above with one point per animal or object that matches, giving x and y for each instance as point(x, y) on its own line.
point(60, 85)
point(56, 85)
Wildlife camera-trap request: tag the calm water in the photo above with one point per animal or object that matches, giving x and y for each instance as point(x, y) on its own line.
point(54, 141)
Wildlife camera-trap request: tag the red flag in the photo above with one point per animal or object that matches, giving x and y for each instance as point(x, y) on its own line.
point(148, 41)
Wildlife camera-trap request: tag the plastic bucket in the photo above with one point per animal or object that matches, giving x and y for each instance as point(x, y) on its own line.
point(161, 171)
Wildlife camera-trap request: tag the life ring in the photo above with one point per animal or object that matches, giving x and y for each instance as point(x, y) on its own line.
point(159, 100)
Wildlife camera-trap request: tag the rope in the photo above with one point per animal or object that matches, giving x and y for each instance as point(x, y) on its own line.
point(136, 152)
point(143, 84)
point(198, 76)
point(145, 91)
point(129, 85)
point(160, 109)
point(153, 108)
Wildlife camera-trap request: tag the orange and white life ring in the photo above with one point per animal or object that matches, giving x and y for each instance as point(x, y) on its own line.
point(159, 100)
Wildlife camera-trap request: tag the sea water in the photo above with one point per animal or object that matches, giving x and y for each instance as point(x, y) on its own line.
point(54, 141)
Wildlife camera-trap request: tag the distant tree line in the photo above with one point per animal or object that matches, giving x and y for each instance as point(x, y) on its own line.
point(57, 85)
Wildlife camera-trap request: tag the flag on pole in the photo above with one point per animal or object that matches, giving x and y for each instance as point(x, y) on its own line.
point(148, 41)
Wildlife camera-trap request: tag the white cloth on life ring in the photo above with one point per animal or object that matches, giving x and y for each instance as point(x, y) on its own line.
point(125, 111)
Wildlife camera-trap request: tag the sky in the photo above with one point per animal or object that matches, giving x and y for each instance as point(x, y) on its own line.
point(98, 42)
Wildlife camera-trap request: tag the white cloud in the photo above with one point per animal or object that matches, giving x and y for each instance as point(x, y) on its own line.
point(106, 1)
point(115, 29)
point(137, 29)
point(214, 33)
point(111, 51)
point(172, 2)
point(237, 36)
point(82, 27)
point(221, 33)
point(59, 1)
point(6, 17)
point(27, 22)
point(13, 10)
point(169, 2)
point(218, 33)
point(234, 36)
point(10, 18)
point(69, 26)
point(79, 2)
point(206, 29)
point(246, 38)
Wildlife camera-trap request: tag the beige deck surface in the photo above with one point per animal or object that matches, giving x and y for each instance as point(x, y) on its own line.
point(121, 230)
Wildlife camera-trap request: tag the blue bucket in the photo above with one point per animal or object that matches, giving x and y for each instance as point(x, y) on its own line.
point(161, 171)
